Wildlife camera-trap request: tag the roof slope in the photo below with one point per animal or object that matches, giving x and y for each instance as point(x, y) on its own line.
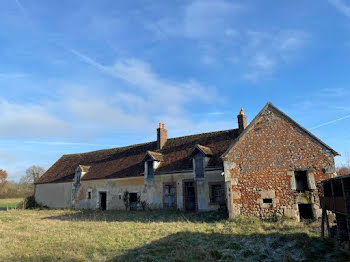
point(127, 161)
point(270, 106)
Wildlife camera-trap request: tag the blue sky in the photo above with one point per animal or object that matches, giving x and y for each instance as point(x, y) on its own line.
point(77, 76)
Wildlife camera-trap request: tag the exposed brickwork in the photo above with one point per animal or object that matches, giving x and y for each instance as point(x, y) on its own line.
point(242, 120)
point(162, 136)
point(263, 163)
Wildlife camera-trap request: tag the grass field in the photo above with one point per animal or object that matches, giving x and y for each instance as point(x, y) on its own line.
point(9, 203)
point(66, 235)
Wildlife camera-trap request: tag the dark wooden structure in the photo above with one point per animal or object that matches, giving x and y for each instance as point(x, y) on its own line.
point(334, 194)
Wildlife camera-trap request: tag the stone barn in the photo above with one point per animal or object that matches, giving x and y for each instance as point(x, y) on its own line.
point(269, 167)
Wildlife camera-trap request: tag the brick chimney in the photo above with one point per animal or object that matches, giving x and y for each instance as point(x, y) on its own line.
point(162, 135)
point(242, 121)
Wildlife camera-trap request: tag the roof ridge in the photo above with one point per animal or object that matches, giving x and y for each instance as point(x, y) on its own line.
point(113, 148)
point(206, 133)
point(145, 143)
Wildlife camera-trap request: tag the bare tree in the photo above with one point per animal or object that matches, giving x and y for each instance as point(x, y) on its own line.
point(343, 170)
point(3, 181)
point(33, 173)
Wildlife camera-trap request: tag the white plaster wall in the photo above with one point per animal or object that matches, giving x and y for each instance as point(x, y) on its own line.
point(57, 195)
point(150, 190)
point(115, 189)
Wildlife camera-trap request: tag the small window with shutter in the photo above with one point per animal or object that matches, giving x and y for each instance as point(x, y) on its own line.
point(169, 197)
point(199, 166)
point(150, 169)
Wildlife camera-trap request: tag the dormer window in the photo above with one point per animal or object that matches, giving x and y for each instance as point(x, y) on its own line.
point(200, 157)
point(151, 162)
point(79, 173)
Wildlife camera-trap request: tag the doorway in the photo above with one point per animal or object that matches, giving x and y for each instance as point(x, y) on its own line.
point(133, 201)
point(190, 196)
point(103, 200)
point(305, 211)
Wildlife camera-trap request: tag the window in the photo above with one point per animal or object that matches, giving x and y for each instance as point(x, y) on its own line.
point(169, 196)
point(267, 200)
point(301, 181)
point(150, 169)
point(199, 166)
point(89, 194)
point(216, 193)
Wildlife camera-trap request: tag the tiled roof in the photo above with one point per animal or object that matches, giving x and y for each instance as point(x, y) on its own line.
point(154, 155)
point(127, 161)
point(205, 150)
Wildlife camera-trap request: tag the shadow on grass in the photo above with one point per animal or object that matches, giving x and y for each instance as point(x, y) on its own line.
point(140, 216)
point(191, 246)
point(188, 246)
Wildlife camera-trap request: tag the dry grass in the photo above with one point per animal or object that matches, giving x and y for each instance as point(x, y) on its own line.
point(52, 235)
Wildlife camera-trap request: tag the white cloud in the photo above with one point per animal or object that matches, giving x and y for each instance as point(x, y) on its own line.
point(341, 6)
point(263, 62)
point(266, 51)
point(97, 112)
point(216, 29)
point(334, 92)
point(62, 143)
point(231, 32)
point(27, 120)
point(205, 18)
point(154, 92)
point(200, 19)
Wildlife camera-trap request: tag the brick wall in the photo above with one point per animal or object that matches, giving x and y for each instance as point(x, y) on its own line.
point(262, 164)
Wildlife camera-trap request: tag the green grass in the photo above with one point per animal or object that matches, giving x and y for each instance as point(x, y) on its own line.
point(9, 203)
point(66, 235)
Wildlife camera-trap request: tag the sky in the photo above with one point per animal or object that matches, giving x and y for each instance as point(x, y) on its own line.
point(78, 76)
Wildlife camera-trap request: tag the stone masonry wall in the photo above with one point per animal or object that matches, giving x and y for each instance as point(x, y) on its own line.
point(262, 164)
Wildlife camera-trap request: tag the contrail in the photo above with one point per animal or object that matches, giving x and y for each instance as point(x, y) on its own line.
point(24, 12)
point(330, 122)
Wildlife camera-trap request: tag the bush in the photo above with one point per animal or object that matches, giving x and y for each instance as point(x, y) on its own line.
point(29, 203)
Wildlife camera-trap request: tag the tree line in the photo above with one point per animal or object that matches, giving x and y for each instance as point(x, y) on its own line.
point(23, 188)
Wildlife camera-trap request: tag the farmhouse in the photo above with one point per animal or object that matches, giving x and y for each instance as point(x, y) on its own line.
point(269, 167)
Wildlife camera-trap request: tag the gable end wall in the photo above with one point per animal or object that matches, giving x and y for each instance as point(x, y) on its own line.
point(262, 164)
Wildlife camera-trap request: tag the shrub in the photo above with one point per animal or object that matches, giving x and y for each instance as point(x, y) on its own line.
point(29, 203)
point(126, 200)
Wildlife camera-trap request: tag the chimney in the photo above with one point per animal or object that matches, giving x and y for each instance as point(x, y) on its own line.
point(242, 121)
point(162, 135)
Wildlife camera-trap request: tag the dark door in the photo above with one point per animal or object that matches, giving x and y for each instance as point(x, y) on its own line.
point(133, 201)
point(190, 196)
point(103, 200)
